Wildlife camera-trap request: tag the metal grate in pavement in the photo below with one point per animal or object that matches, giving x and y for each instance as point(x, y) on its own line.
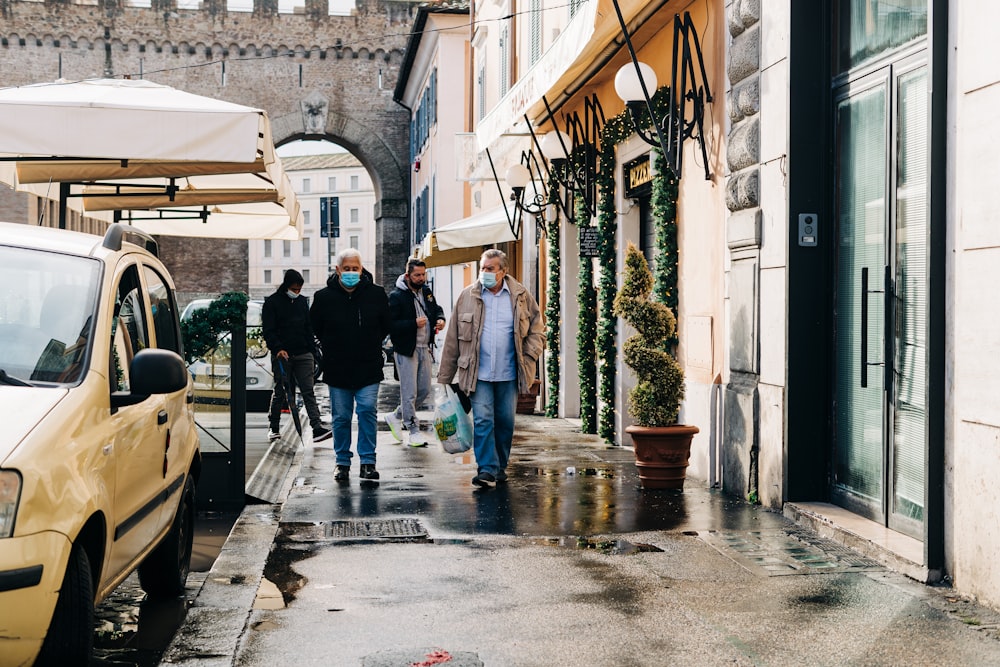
point(364, 528)
point(780, 552)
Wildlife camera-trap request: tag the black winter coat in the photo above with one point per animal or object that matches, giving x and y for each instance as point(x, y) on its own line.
point(403, 313)
point(286, 325)
point(351, 327)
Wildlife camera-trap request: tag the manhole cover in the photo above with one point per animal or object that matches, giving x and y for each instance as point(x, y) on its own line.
point(409, 528)
point(358, 529)
point(774, 553)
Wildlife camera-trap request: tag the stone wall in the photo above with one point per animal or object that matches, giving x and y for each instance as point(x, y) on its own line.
point(741, 440)
point(276, 62)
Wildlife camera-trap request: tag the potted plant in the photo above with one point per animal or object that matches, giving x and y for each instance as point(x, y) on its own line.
point(662, 446)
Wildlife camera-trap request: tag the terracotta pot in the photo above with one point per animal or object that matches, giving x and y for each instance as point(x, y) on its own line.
point(661, 454)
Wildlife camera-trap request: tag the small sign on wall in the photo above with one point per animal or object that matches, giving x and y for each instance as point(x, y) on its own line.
point(589, 242)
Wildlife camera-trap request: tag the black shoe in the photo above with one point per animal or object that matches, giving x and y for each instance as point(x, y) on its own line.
point(368, 471)
point(484, 479)
point(502, 477)
point(343, 474)
point(320, 434)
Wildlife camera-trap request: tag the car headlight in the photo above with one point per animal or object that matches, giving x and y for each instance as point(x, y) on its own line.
point(10, 492)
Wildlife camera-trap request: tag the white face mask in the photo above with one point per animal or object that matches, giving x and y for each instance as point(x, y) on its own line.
point(292, 295)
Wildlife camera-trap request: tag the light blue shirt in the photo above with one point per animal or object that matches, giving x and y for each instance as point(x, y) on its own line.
point(497, 361)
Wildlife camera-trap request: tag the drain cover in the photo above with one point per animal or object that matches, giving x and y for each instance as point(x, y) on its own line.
point(774, 553)
point(385, 528)
point(358, 529)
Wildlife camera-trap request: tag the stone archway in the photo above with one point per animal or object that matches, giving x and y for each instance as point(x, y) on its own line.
point(318, 77)
point(390, 176)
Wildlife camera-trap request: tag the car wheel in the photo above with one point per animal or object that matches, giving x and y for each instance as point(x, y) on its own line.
point(164, 572)
point(70, 638)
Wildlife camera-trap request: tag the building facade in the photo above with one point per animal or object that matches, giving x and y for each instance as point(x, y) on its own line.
point(834, 241)
point(337, 200)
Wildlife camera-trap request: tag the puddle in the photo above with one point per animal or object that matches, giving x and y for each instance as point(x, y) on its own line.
point(611, 547)
point(279, 572)
point(268, 596)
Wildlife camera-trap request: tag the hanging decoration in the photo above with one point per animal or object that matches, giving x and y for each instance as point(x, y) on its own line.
point(586, 337)
point(553, 308)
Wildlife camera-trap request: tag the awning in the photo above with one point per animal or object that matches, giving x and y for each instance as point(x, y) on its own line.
point(184, 164)
point(464, 240)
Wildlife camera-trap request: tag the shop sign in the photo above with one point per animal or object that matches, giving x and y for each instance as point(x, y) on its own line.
point(638, 177)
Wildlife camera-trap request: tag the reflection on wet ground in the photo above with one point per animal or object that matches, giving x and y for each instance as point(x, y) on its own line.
point(132, 630)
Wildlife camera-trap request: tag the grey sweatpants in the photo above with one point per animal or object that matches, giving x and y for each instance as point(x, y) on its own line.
point(414, 384)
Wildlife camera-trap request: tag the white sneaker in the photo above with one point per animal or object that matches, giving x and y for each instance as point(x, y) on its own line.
point(395, 425)
point(417, 439)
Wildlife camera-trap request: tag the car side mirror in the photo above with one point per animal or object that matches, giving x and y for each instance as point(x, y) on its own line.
point(152, 371)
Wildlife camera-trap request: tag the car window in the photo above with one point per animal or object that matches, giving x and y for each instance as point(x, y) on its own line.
point(161, 304)
point(47, 303)
point(129, 330)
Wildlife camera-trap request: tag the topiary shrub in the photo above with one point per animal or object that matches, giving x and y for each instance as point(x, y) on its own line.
point(656, 398)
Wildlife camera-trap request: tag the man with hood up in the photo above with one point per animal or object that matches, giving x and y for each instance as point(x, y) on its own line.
point(350, 316)
point(416, 317)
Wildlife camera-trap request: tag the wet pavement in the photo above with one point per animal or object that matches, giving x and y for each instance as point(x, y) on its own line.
point(570, 563)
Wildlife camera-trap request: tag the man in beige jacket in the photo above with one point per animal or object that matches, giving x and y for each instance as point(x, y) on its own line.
point(493, 344)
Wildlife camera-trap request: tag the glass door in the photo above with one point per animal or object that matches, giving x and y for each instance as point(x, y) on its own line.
point(881, 126)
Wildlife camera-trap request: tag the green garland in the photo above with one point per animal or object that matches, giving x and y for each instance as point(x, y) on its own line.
point(607, 224)
point(586, 337)
point(553, 307)
point(664, 205)
point(202, 332)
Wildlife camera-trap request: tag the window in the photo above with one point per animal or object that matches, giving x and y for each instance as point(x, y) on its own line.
point(306, 218)
point(267, 276)
point(306, 185)
point(286, 248)
point(481, 83)
point(354, 215)
point(574, 7)
point(305, 276)
point(161, 301)
point(128, 329)
point(331, 183)
point(354, 182)
point(535, 21)
point(267, 248)
point(354, 242)
point(504, 60)
point(305, 246)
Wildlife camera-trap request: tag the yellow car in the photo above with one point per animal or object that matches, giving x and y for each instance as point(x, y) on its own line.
point(99, 456)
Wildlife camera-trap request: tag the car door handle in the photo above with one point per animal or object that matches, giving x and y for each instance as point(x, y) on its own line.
point(161, 418)
point(107, 449)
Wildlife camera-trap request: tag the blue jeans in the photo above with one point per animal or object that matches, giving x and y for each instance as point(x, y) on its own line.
point(493, 406)
point(343, 403)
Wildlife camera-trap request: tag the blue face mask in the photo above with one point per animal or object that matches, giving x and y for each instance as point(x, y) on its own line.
point(350, 279)
point(489, 280)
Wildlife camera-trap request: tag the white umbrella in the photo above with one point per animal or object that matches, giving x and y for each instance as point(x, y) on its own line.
point(132, 146)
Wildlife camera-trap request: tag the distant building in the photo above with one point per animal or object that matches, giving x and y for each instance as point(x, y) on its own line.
point(337, 200)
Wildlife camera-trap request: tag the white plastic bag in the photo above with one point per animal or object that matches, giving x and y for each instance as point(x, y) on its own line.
point(452, 423)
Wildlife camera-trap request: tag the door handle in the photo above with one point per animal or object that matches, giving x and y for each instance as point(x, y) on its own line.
point(864, 324)
point(161, 418)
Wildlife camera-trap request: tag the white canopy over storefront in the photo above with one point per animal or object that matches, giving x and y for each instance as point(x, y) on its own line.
point(464, 240)
point(136, 147)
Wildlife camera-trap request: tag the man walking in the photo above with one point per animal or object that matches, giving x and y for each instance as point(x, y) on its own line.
point(496, 331)
point(289, 336)
point(416, 317)
point(351, 318)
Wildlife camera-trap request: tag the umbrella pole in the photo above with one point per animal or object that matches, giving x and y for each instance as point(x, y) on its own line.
point(63, 201)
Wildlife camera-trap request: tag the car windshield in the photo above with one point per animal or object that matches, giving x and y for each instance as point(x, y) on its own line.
point(46, 314)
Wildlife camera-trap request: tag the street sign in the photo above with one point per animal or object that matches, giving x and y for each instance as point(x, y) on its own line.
point(329, 217)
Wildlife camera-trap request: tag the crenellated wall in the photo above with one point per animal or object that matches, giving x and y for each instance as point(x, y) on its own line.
point(290, 65)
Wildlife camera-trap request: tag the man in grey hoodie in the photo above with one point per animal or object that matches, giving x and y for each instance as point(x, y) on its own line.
point(415, 318)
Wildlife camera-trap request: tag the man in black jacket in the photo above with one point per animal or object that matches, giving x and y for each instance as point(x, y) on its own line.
point(351, 318)
point(416, 317)
point(289, 336)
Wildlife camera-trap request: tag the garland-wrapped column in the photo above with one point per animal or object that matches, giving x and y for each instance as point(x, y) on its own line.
point(586, 337)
